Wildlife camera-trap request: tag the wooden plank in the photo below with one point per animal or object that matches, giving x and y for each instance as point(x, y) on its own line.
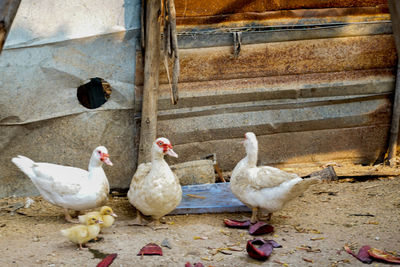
point(284, 58)
point(195, 8)
point(360, 145)
point(300, 17)
point(272, 117)
point(208, 198)
point(268, 34)
point(394, 130)
point(8, 10)
point(212, 93)
point(148, 129)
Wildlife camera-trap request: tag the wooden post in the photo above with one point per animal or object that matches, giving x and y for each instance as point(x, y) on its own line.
point(8, 10)
point(394, 7)
point(148, 131)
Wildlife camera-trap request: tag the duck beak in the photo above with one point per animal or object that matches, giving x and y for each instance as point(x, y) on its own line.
point(99, 221)
point(105, 158)
point(114, 215)
point(171, 153)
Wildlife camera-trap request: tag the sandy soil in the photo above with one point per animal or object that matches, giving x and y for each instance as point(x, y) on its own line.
point(312, 230)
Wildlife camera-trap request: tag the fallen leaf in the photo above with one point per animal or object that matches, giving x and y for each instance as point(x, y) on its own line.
point(309, 249)
point(197, 264)
point(200, 237)
point(237, 224)
point(282, 263)
point(362, 255)
point(317, 238)
point(260, 228)
point(150, 249)
point(382, 255)
point(262, 252)
point(107, 260)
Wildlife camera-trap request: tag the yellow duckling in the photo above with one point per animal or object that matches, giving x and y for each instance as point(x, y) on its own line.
point(81, 234)
point(105, 214)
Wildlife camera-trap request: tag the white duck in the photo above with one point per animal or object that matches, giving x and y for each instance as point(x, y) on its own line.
point(70, 187)
point(155, 190)
point(264, 188)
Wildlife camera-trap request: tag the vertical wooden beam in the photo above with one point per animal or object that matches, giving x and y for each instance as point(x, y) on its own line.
point(394, 7)
point(148, 130)
point(8, 10)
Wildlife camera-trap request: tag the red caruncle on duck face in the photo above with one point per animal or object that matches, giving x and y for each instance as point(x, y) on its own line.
point(164, 146)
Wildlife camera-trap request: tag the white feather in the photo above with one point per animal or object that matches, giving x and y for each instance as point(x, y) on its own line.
point(264, 187)
point(65, 186)
point(154, 189)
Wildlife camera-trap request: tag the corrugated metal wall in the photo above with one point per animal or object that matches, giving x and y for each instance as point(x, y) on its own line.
point(314, 80)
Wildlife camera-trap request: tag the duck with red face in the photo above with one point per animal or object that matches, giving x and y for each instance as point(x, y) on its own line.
point(155, 190)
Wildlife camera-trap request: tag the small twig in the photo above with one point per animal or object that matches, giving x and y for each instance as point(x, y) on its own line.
point(195, 196)
point(359, 214)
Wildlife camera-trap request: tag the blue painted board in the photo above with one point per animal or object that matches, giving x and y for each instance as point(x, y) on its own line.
point(218, 198)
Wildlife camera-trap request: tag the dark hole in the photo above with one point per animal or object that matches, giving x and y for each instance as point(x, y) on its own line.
point(94, 93)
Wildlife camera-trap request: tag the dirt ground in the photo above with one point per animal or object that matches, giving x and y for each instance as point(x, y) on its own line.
point(312, 230)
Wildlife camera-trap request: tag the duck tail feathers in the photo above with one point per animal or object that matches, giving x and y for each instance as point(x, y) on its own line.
point(25, 165)
point(302, 186)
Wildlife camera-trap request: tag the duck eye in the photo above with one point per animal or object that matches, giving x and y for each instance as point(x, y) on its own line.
point(160, 143)
point(99, 152)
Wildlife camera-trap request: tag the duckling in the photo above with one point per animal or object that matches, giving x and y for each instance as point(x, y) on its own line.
point(105, 214)
point(81, 234)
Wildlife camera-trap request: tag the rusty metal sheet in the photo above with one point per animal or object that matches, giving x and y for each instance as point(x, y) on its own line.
point(284, 58)
point(193, 8)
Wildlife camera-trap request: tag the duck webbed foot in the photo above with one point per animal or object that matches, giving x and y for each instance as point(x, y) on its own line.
point(262, 217)
point(139, 220)
point(68, 217)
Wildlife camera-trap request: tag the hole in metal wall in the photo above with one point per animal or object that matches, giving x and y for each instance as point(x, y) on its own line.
point(94, 93)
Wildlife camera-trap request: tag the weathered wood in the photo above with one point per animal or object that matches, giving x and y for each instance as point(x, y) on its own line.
point(394, 7)
point(199, 8)
point(8, 10)
point(284, 58)
point(150, 87)
point(174, 47)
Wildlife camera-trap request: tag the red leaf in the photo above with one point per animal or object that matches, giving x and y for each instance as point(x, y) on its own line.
point(362, 255)
point(237, 224)
point(107, 260)
point(262, 252)
point(382, 255)
point(260, 228)
point(151, 249)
